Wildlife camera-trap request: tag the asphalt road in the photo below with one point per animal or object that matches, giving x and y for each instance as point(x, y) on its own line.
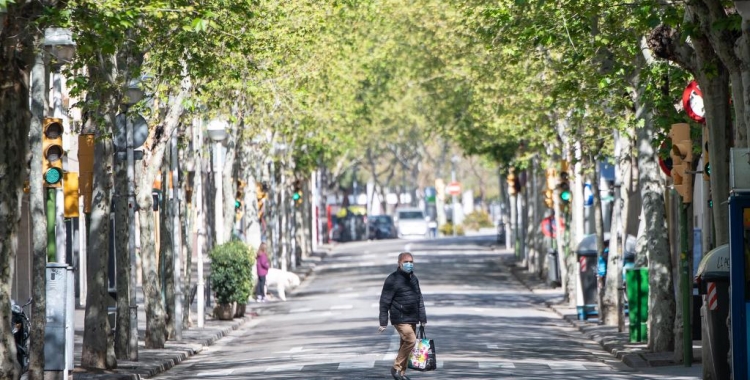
point(485, 324)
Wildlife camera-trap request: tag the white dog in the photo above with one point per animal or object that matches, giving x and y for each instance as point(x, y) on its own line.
point(283, 280)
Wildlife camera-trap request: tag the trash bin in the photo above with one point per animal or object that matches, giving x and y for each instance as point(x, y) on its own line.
point(588, 267)
point(712, 278)
point(636, 286)
point(586, 292)
point(553, 272)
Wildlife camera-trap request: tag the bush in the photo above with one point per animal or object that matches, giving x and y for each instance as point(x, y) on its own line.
point(447, 229)
point(231, 272)
point(478, 219)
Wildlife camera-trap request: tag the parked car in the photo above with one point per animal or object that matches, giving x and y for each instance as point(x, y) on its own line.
point(381, 227)
point(411, 222)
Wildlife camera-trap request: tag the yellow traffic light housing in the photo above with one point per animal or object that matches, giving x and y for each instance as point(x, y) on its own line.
point(86, 143)
point(682, 160)
point(512, 180)
point(239, 195)
point(52, 152)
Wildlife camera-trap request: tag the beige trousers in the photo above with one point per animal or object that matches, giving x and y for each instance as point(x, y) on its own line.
point(408, 333)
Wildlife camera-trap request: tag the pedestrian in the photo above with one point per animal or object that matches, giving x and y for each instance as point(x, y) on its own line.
point(262, 265)
point(402, 299)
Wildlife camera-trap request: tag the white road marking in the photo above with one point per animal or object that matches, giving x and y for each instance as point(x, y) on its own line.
point(355, 365)
point(393, 347)
point(407, 248)
point(376, 304)
point(490, 365)
point(342, 307)
point(305, 310)
point(439, 363)
point(492, 346)
point(223, 372)
point(296, 349)
point(349, 295)
point(287, 367)
point(567, 365)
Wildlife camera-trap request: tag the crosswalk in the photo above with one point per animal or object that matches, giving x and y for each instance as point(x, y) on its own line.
point(375, 364)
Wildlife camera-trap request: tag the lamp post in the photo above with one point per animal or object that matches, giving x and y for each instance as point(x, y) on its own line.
point(454, 161)
point(217, 132)
point(132, 95)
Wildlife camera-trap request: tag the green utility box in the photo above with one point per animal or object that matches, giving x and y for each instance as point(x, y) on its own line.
point(636, 283)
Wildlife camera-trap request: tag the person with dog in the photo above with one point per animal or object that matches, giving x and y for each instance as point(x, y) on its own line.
point(262, 265)
point(402, 299)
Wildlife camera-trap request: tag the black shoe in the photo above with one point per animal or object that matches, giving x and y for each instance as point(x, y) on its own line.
point(404, 377)
point(396, 375)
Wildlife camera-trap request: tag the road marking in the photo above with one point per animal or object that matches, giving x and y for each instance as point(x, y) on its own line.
point(376, 304)
point(439, 364)
point(492, 346)
point(349, 295)
point(223, 372)
point(342, 307)
point(305, 310)
point(490, 365)
point(287, 367)
point(355, 365)
point(395, 343)
point(407, 248)
point(295, 349)
point(567, 365)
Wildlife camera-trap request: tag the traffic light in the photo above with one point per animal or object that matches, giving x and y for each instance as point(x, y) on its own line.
point(52, 152)
point(706, 163)
point(239, 195)
point(682, 160)
point(564, 187)
point(260, 195)
point(513, 182)
point(549, 193)
point(86, 144)
point(297, 195)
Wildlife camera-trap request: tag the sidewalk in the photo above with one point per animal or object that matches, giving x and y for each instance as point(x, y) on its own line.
point(635, 355)
point(154, 361)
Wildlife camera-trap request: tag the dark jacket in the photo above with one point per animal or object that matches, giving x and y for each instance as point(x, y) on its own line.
point(402, 298)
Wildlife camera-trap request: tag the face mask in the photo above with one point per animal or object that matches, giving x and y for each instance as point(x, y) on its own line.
point(408, 267)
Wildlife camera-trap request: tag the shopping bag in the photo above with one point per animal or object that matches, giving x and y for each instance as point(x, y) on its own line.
point(422, 356)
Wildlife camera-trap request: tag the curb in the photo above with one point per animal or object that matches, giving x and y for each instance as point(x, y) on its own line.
point(609, 344)
point(156, 361)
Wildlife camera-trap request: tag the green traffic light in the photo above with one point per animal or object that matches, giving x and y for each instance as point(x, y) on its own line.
point(296, 196)
point(52, 176)
point(707, 168)
point(237, 204)
point(565, 195)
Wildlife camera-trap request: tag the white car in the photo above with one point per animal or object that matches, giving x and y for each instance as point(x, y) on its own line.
point(411, 222)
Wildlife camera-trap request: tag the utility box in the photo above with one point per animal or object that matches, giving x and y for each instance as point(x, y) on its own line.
point(636, 286)
point(54, 333)
point(712, 278)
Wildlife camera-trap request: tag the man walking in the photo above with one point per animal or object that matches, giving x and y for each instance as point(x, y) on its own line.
point(402, 299)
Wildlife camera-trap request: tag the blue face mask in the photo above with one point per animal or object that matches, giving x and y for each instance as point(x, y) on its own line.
point(408, 267)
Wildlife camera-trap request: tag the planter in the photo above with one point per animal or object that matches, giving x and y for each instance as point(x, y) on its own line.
point(224, 312)
point(240, 312)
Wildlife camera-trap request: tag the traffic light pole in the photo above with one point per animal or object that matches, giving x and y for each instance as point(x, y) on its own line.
point(59, 212)
point(133, 336)
point(687, 336)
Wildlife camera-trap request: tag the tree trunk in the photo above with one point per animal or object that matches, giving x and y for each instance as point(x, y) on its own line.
point(39, 223)
point(122, 332)
point(167, 251)
point(14, 128)
point(229, 187)
point(156, 334)
point(97, 331)
point(608, 313)
point(98, 349)
point(187, 221)
point(661, 287)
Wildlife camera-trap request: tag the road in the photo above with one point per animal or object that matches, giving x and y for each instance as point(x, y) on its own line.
point(485, 324)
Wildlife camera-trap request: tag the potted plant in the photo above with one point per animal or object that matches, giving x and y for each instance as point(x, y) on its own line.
point(231, 277)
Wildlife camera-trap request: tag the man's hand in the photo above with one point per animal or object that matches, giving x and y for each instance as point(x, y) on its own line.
point(381, 329)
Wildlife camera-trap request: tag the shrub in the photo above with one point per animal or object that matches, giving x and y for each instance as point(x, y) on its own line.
point(231, 272)
point(447, 229)
point(477, 219)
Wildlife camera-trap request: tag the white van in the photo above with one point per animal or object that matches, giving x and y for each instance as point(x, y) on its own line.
point(411, 222)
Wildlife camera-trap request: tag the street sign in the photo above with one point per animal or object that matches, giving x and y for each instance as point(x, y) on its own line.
point(453, 188)
point(588, 195)
point(140, 132)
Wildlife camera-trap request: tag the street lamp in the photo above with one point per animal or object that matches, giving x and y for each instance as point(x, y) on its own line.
point(217, 132)
point(454, 161)
point(132, 94)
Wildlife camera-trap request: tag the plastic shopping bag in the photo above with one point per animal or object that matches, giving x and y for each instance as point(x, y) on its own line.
point(422, 357)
